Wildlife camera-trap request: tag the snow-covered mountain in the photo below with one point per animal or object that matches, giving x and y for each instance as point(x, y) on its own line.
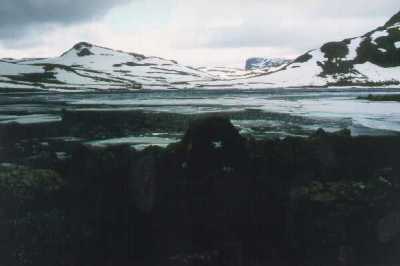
point(369, 60)
point(265, 63)
point(87, 66)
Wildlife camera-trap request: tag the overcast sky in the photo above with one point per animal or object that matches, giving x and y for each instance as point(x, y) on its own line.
point(194, 32)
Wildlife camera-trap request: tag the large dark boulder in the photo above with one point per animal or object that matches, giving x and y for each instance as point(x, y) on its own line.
point(213, 143)
point(143, 182)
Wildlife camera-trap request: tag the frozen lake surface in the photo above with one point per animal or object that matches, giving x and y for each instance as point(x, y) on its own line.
point(138, 142)
point(274, 112)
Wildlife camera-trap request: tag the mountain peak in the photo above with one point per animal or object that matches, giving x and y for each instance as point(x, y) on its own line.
point(81, 49)
point(82, 45)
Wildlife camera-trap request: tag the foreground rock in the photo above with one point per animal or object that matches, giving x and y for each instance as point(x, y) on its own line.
point(214, 198)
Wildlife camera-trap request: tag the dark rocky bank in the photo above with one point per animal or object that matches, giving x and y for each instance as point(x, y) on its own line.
point(214, 198)
point(382, 98)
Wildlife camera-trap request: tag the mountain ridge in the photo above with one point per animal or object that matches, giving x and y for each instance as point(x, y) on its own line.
point(372, 59)
point(369, 60)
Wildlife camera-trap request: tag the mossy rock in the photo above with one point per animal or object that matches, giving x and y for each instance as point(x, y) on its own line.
point(33, 226)
point(24, 183)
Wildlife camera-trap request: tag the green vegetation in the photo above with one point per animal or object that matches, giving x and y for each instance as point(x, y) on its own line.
point(22, 181)
point(381, 98)
point(349, 82)
point(29, 219)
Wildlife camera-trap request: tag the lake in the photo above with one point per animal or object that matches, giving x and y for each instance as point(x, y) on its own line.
point(263, 113)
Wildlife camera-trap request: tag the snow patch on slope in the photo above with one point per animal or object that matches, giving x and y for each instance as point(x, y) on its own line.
point(353, 46)
point(378, 34)
point(378, 74)
point(16, 69)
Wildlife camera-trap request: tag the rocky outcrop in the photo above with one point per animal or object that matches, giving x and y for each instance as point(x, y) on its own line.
point(216, 139)
point(389, 227)
point(214, 198)
point(265, 63)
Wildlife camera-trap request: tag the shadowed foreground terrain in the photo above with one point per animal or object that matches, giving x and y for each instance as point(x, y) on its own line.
point(214, 198)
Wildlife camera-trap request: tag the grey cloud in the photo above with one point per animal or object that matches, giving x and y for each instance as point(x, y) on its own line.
point(305, 25)
point(301, 36)
point(358, 8)
point(18, 16)
point(295, 24)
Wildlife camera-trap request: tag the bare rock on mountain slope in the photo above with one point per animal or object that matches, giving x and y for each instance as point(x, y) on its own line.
point(265, 63)
point(87, 66)
point(369, 60)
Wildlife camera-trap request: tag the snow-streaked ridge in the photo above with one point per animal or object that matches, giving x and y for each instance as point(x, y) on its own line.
point(369, 60)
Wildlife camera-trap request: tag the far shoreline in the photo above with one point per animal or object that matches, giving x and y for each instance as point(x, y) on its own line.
point(381, 98)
